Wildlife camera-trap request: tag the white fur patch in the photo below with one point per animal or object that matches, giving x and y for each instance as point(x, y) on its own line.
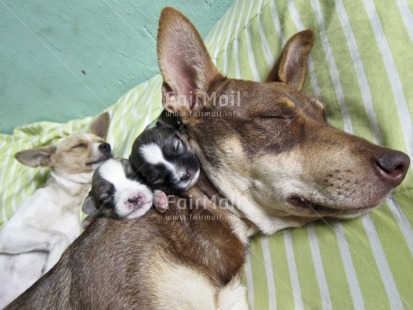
point(112, 171)
point(181, 287)
point(126, 189)
point(96, 153)
point(233, 296)
point(152, 154)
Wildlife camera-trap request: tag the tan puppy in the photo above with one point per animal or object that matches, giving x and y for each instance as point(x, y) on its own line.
point(33, 240)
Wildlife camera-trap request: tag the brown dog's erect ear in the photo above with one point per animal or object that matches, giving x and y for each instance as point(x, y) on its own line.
point(37, 157)
point(89, 206)
point(291, 66)
point(100, 125)
point(184, 62)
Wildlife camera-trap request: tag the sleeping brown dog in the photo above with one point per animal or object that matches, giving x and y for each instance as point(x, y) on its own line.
point(268, 162)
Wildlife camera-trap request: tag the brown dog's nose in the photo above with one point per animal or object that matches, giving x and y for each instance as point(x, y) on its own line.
point(392, 166)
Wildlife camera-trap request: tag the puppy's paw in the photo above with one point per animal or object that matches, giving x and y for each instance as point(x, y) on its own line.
point(58, 245)
point(160, 201)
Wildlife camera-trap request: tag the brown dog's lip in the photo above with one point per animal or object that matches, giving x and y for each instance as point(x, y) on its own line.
point(305, 204)
point(302, 203)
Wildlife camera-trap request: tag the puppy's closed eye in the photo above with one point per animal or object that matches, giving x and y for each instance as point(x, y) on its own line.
point(156, 178)
point(105, 198)
point(179, 147)
point(80, 145)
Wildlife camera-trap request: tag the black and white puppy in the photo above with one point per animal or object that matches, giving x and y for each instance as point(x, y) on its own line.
point(117, 192)
point(164, 159)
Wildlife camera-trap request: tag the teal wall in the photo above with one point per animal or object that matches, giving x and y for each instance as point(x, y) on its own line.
point(61, 60)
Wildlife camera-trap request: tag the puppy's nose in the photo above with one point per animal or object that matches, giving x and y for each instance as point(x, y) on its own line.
point(392, 166)
point(135, 200)
point(187, 176)
point(105, 148)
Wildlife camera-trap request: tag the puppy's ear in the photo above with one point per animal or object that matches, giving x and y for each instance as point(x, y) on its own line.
point(184, 62)
point(166, 119)
point(37, 157)
point(291, 67)
point(100, 125)
point(89, 205)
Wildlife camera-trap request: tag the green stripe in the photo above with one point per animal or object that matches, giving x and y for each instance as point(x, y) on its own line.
point(347, 73)
point(259, 278)
point(333, 266)
point(223, 54)
point(374, 67)
point(237, 9)
point(328, 95)
point(283, 287)
point(394, 246)
point(400, 45)
point(404, 200)
point(257, 48)
point(222, 33)
point(367, 271)
point(273, 40)
point(244, 64)
point(305, 267)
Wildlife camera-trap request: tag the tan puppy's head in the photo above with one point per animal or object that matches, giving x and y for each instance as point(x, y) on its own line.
point(267, 146)
point(80, 153)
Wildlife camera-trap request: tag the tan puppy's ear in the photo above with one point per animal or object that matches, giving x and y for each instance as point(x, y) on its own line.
point(184, 62)
point(291, 66)
point(100, 125)
point(37, 157)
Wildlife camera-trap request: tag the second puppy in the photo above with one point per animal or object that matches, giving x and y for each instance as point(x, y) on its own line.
point(163, 157)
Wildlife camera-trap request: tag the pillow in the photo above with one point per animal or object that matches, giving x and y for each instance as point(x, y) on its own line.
point(359, 68)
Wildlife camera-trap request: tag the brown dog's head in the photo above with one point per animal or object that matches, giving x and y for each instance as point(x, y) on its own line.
point(80, 153)
point(267, 146)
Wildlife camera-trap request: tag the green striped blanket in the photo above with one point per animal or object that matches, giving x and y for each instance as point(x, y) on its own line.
point(360, 67)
